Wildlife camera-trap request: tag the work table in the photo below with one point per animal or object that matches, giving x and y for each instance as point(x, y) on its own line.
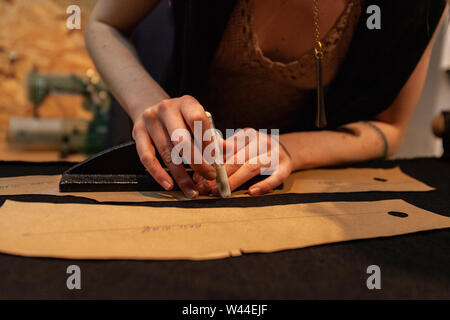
point(412, 266)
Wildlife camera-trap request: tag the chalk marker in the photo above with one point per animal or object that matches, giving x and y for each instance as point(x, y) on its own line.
point(221, 172)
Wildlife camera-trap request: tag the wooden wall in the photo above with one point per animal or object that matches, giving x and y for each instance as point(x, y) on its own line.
point(36, 31)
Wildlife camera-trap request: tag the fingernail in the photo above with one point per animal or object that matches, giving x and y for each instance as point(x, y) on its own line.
point(254, 190)
point(192, 193)
point(166, 185)
point(211, 175)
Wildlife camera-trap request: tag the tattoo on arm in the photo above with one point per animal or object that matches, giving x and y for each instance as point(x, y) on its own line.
point(382, 136)
point(285, 150)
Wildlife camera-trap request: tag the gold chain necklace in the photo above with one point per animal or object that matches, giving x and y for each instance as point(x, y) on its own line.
point(321, 120)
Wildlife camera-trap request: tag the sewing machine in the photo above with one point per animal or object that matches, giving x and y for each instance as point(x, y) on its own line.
point(68, 135)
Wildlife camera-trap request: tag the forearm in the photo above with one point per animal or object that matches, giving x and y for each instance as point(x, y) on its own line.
point(119, 66)
point(356, 142)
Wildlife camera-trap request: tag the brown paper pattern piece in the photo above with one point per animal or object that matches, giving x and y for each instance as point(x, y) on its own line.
point(309, 181)
point(84, 231)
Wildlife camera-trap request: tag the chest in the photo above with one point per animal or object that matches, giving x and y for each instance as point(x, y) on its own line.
point(285, 28)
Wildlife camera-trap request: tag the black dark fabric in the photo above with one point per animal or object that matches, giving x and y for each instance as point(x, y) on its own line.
point(119, 125)
point(378, 63)
point(412, 266)
point(199, 25)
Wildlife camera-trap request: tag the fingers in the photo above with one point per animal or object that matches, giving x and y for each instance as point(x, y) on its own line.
point(164, 146)
point(171, 127)
point(194, 115)
point(202, 185)
point(243, 174)
point(176, 127)
point(237, 142)
point(260, 157)
point(282, 172)
point(146, 152)
point(238, 150)
point(248, 171)
point(206, 187)
point(269, 183)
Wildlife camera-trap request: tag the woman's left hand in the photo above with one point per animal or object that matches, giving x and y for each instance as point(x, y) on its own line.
point(250, 153)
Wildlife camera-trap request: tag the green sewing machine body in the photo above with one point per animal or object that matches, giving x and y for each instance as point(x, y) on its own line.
point(69, 135)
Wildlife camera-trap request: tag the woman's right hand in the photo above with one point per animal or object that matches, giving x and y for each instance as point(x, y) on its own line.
point(152, 132)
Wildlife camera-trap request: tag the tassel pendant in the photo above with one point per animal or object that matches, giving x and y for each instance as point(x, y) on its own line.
point(321, 118)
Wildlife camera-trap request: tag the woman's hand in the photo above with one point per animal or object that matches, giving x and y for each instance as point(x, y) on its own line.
point(246, 157)
point(152, 132)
